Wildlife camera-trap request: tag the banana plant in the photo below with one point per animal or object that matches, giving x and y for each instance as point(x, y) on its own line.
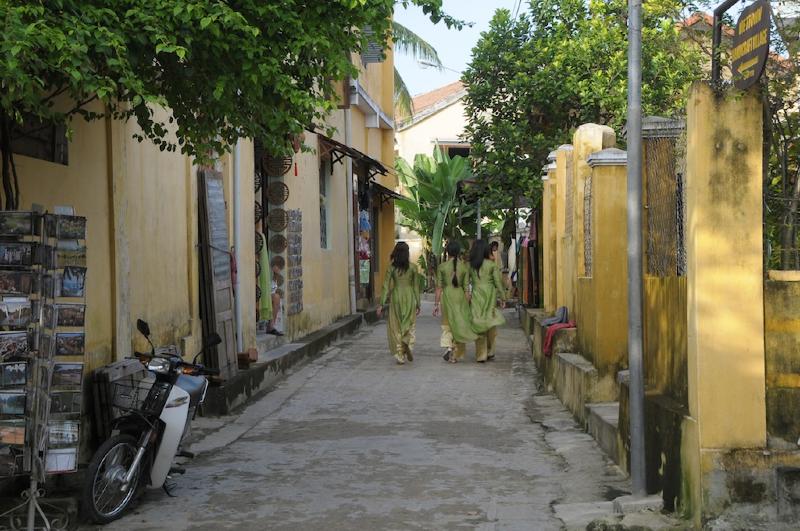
point(434, 208)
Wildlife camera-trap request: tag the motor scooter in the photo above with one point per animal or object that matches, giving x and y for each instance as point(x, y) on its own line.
point(146, 439)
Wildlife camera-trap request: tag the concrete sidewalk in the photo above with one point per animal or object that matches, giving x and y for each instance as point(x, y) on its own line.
point(353, 441)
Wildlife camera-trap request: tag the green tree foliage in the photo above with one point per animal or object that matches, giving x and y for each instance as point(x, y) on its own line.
point(252, 68)
point(782, 135)
point(435, 209)
point(409, 43)
point(534, 79)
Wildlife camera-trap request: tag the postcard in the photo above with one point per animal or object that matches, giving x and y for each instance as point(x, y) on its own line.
point(12, 432)
point(67, 375)
point(13, 344)
point(64, 315)
point(15, 314)
point(16, 223)
point(70, 343)
point(16, 254)
point(14, 374)
point(73, 282)
point(12, 402)
point(65, 257)
point(61, 460)
point(62, 434)
point(65, 403)
point(16, 282)
point(66, 227)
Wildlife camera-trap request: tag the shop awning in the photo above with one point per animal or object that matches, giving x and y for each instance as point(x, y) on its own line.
point(384, 193)
point(339, 151)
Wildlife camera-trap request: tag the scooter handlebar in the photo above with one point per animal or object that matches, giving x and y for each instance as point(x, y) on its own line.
point(199, 369)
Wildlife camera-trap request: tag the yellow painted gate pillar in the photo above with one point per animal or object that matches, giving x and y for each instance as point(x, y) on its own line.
point(562, 171)
point(607, 265)
point(588, 139)
point(725, 319)
point(549, 240)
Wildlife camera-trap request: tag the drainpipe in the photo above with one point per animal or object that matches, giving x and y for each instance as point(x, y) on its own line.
point(351, 236)
point(635, 346)
point(237, 242)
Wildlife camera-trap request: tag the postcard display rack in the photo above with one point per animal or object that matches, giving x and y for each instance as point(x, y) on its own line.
point(42, 316)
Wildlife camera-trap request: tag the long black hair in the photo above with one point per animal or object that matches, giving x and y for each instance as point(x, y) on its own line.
point(453, 249)
point(400, 259)
point(479, 252)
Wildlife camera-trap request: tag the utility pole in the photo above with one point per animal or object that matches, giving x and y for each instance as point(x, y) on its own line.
point(635, 363)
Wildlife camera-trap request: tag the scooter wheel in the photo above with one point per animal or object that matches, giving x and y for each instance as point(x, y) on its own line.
point(104, 498)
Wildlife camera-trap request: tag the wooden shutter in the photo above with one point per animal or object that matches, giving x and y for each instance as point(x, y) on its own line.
point(216, 286)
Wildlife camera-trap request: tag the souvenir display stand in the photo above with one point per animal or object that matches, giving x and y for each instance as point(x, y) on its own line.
point(42, 343)
point(275, 223)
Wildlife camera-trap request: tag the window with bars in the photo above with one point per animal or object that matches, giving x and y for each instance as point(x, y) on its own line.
point(40, 140)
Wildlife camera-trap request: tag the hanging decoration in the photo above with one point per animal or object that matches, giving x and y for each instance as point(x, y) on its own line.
point(276, 166)
point(277, 193)
point(277, 219)
point(277, 243)
point(278, 261)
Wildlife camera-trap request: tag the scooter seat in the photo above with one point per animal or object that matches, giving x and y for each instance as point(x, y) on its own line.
point(194, 385)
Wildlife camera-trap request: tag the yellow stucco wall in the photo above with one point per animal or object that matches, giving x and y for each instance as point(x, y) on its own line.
point(85, 185)
point(141, 210)
point(664, 328)
point(782, 345)
point(326, 293)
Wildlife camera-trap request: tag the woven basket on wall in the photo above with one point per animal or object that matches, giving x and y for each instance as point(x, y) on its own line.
point(278, 261)
point(277, 193)
point(278, 243)
point(276, 166)
point(277, 219)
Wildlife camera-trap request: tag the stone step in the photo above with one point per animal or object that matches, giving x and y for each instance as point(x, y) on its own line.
point(266, 342)
point(574, 381)
point(602, 424)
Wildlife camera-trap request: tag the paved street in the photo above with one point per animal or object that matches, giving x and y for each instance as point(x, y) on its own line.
point(353, 441)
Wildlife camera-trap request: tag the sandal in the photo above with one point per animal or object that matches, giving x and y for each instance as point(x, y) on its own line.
point(447, 355)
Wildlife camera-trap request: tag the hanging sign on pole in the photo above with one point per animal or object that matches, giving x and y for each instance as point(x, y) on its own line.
point(750, 47)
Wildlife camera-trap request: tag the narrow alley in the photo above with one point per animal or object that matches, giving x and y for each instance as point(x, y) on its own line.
point(353, 441)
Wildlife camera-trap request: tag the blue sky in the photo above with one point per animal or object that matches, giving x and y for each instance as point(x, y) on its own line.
point(454, 47)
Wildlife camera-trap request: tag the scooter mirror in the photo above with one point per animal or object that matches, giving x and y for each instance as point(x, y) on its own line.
point(213, 340)
point(143, 328)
